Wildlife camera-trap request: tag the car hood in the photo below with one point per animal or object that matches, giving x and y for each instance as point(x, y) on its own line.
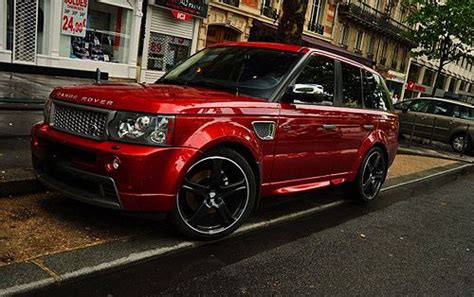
point(161, 98)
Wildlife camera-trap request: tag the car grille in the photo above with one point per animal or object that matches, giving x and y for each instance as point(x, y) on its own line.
point(82, 121)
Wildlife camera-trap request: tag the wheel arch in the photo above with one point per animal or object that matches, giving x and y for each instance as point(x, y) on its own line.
point(247, 153)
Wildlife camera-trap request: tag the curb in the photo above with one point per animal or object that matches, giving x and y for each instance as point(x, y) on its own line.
point(415, 152)
point(20, 187)
point(50, 276)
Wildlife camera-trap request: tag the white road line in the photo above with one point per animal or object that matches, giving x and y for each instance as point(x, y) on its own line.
point(140, 256)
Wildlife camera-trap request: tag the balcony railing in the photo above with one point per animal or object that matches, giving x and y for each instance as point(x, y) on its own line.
point(374, 19)
point(231, 2)
point(269, 12)
point(315, 27)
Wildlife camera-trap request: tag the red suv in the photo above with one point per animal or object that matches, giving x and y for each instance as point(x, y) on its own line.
point(233, 123)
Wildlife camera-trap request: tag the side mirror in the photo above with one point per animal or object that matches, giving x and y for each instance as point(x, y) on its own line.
point(309, 89)
point(404, 108)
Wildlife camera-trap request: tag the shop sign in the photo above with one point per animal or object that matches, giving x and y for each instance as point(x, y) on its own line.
point(182, 16)
point(395, 76)
point(414, 87)
point(74, 17)
point(193, 7)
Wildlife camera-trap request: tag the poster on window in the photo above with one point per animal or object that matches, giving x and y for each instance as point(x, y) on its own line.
point(74, 17)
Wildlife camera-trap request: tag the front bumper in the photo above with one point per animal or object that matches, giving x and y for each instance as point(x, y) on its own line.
point(147, 179)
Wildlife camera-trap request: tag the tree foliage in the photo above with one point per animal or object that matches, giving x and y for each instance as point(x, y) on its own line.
point(445, 30)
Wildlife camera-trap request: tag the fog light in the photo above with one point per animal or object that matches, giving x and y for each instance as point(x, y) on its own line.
point(116, 163)
point(113, 165)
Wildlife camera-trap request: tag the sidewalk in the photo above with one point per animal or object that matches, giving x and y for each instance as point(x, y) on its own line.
point(45, 238)
point(20, 91)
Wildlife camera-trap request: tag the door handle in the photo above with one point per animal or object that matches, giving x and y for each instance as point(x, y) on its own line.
point(329, 126)
point(369, 127)
point(286, 127)
point(423, 118)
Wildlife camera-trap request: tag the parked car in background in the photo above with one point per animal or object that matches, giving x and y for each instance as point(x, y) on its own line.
point(438, 119)
point(231, 124)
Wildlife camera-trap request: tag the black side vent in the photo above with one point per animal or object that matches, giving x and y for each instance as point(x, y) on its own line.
point(265, 130)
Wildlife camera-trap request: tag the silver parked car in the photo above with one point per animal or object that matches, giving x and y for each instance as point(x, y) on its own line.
point(438, 119)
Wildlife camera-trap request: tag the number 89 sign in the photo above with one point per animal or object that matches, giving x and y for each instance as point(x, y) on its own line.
point(74, 17)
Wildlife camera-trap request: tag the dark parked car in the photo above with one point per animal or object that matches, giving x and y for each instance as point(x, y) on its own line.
point(440, 119)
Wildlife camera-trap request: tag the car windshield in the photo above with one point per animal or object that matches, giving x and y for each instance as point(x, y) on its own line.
point(255, 72)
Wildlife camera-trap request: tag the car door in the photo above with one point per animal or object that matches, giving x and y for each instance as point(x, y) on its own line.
point(444, 120)
point(404, 116)
point(354, 123)
point(306, 134)
point(418, 119)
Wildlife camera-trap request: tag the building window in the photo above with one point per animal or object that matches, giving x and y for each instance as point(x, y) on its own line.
point(395, 57)
point(107, 35)
point(344, 36)
point(428, 78)
point(370, 48)
point(166, 51)
point(383, 55)
point(413, 73)
point(377, 4)
point(315, 20)
point(358, 41)
point(403, 61)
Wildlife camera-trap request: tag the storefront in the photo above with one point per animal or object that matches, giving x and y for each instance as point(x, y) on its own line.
point(414, 90)
point(395, 81)
point(171, 34)
point(72, 34)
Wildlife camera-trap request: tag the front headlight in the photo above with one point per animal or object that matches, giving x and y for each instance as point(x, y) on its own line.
point(142, 128)
point(47, 110)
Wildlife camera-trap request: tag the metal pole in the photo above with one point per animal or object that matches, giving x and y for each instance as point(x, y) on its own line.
point(464, 143)
point(432, 130)
point(412, 131)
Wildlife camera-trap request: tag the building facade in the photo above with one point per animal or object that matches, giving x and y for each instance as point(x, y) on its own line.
point(457, 80)
point(170, 34)
point(374, 29)
point(72, 34)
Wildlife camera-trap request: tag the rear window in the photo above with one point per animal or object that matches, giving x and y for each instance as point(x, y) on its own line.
point(465, 113)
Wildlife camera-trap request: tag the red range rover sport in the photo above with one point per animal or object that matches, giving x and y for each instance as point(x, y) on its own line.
point(233, 123)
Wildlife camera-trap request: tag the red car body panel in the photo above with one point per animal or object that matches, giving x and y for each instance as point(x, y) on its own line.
point(302, 156)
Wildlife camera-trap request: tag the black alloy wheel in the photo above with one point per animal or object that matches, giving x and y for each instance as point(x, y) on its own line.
point(216, 197)
point(371, 175)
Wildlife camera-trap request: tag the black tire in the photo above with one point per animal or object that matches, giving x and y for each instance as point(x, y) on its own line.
point(457, 142)
point(371, 175)
point(203, 207)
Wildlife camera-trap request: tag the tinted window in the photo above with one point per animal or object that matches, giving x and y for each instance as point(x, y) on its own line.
point(465, 113)
point(351, 86)
point(379, 99)
point(420, 105)
point(250, 71)
point(403, 104)
point(442, 108)
point(318, 73)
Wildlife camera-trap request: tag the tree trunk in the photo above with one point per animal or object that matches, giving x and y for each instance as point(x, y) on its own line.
point(438, 76)
point(290, 28)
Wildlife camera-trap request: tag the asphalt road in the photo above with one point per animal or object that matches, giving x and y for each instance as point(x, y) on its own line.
point(418, 243)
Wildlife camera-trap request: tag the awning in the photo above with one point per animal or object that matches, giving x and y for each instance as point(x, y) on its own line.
point(315, 43)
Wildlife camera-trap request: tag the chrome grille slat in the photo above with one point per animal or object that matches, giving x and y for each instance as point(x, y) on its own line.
point(80, 120)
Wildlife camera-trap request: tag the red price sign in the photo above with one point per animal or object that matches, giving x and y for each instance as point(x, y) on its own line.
point(74, 17)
